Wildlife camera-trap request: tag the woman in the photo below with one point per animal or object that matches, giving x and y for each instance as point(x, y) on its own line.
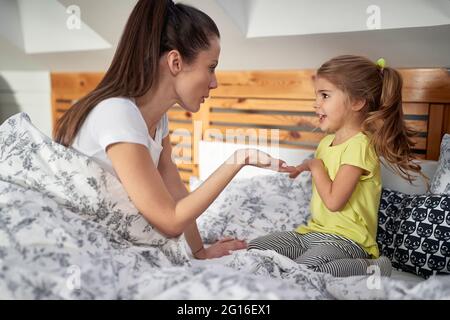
point(167, 54)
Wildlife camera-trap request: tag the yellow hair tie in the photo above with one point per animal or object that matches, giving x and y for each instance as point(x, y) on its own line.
point(381, 63)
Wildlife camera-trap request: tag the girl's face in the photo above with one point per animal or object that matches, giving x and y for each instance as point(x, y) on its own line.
point(331, 105)
point(197, 78)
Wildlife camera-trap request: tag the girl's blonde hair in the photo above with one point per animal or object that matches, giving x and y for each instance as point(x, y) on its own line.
point(381, 88)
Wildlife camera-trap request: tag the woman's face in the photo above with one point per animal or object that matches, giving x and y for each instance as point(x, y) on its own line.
point(196, 79)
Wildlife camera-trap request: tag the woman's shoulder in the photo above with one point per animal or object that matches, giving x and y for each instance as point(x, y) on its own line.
point(116, 108)
point(117, 112)
point(121, 103)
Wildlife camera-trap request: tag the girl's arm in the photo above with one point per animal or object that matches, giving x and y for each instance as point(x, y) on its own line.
point(335, 194)
point(175, 186)
point(146, 189)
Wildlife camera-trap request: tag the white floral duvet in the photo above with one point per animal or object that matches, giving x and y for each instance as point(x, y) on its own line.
point(69, 231)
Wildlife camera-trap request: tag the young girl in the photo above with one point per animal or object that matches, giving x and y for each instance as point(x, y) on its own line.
point(167, 55)
point(360, 103)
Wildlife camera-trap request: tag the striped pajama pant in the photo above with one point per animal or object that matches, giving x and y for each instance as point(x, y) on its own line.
point(322, 252)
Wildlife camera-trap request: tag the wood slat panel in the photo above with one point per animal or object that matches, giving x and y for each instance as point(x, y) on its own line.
point(446, 120)
point(284, 135)
point(282, 120)
point(420, 156)
point(179, 115)
point(294, 105)
point(301, 137)
point(416, 109)
point(180, 126)
point(262, 119)
point(418, 125)
point(185, 175)
point(255, 94)
point(186, 167)
point(75, 85)
point(62, 106)
point(426, 85)
point(435, 131)
point(260, 84)
point(262, 104)
point(421, 143)
point(181, 151)
point(176, 139)
point(182, 160)
point(419, 85)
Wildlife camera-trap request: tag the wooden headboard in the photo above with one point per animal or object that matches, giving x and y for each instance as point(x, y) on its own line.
point(276, 105)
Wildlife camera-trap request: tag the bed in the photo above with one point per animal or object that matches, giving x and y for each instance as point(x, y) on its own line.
point(69, 231)
point(250, 176)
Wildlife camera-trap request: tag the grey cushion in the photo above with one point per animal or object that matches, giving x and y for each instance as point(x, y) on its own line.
point(441, 179)
point(393, 181)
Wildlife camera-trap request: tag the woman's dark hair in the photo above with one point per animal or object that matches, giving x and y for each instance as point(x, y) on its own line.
point(153, 28)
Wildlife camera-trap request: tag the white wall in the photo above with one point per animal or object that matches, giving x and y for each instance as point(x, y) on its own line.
point(402, 48)
point(28, 92)
point(48, 31)
point(411, 47)
point(265, 18)
point(24, 87)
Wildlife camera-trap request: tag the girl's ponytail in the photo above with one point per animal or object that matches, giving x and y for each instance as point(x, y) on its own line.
point(389, 134)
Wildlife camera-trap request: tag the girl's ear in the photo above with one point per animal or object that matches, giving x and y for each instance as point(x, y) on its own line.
point(174, 62)
point(358, 104)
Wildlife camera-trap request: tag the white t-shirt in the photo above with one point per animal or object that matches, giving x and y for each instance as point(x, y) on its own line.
point(117, 120)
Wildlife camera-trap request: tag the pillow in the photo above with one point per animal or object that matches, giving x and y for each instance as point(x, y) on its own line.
point(33, 160)
point(388, 220)
point(422, 235)
point(441, 179)
point(251, 207)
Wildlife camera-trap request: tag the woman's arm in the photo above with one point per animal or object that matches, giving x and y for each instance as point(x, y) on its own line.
point(175, 186)
point(335, 194)
point(145, 187)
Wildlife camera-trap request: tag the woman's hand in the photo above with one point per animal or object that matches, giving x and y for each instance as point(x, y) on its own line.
point(221, 248)
point(260, 159)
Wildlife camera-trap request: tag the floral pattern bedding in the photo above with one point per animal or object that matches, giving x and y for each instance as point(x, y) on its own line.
point(69, 231)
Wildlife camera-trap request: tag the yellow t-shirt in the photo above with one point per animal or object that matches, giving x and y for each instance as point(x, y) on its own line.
point(358, 220)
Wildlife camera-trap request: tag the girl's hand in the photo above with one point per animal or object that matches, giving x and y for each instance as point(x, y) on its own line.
point(260, 159)
point(221, 248)
point(305, 166)
point(300, 168)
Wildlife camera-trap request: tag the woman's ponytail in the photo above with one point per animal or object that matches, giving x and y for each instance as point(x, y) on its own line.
point(153, 28)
